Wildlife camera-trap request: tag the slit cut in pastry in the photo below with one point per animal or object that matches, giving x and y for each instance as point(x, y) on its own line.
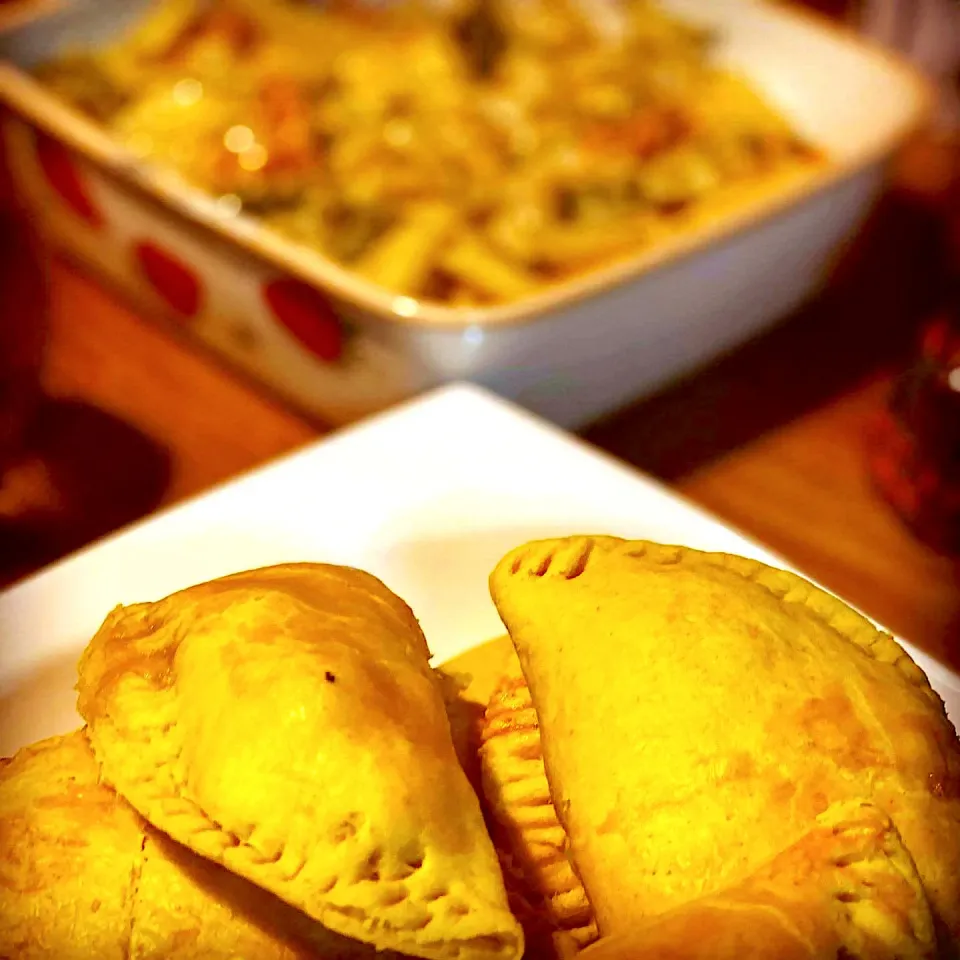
point(82, 876)
point(526, 830)
point(285, 723)
point(699, 711)
point(847, 889)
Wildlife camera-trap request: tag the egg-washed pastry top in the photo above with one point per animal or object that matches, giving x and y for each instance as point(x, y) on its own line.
point(285, 722)
point(83, 877)
point(847, 889)
point(699, 711)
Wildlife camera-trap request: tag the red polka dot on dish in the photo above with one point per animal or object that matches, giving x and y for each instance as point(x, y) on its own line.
point(308, 315)
point(175, 282)
point(63, 176)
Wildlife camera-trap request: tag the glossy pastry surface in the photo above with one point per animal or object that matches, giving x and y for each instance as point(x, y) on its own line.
point(286, 724)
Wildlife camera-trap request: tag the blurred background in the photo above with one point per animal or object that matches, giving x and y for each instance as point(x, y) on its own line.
point(720, 240)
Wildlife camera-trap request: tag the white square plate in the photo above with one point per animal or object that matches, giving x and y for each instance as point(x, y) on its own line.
point(427, 496)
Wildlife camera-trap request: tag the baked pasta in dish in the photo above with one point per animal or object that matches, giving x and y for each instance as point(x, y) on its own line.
point(466, 155)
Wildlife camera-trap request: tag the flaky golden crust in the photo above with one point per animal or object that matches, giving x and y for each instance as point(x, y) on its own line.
point(82, 877)
point(847, 889)
point(188, 908)
point(70, 851)
point(527, 830)
point(698, 712)
point(285, 723)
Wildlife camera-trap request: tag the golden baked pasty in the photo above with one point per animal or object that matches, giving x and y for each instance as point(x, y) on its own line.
point(82, 877)
point(699, 711)
point(527, 831)
point(69, 850)
point(189, 908)
point(285, 722)
point(847, 889)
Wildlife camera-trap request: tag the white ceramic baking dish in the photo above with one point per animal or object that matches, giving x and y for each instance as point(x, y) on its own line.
point(342, 347)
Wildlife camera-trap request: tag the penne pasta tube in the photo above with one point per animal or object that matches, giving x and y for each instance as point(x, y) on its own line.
point(474, 263)
point(403, 257)
point(563, 246)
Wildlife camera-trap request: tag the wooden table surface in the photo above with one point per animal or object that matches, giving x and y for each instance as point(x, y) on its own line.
point(771, 438)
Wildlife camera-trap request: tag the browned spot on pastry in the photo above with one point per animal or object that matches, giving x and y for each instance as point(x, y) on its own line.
point(131, 651)
point(832, 725)
point(742, 766)
point(782, 791)
point(945, 788)
point(155, 669)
